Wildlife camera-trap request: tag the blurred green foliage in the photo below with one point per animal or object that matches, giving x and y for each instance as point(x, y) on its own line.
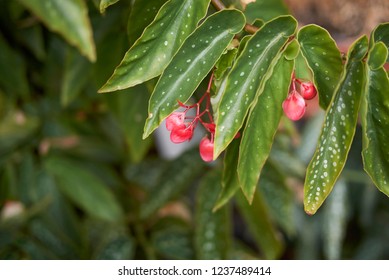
point(78, 182)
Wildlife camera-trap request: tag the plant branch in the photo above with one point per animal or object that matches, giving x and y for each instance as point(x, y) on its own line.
point(219, 5)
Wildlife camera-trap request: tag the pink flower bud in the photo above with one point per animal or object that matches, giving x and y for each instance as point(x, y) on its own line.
point(307, 90)
point(181, 133)
point(206, 149)
point(294, 106)
point(174, 120)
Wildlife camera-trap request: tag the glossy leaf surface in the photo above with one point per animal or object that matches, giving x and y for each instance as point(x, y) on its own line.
point(323, 57)
point(251, 69)
point(381, 34)
point(69, 18)
point(152, 52)
point(191, 64)
point(262, 125)
point(375, 120)
point(337, 132)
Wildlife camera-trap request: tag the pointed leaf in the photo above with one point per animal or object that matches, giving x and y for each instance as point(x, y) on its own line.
point(262, 125)
point(324, 59)
point(251, 69)
point(142, 14)
point(69, 18)
point(104, 4)
point(152, 52)
point(84, 189)
point(337, 132)
point(191, 64)
point(375, 120)
point(212, 231)
point(230, 181)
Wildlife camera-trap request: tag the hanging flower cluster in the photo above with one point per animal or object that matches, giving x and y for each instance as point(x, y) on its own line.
point(294, 105)
point(182, 126)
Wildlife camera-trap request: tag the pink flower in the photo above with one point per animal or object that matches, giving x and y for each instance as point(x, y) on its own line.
point(206, 149)
point(307, 90)
point(181, 133)
point(294, 106)
point(174, 120)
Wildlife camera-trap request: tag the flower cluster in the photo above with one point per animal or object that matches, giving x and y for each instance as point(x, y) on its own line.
point(294, 105)
point(182, 126)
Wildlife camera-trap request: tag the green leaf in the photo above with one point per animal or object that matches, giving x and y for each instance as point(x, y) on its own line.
point(14, 82)
point(230, 180)
point(142, 14)
point(324, 59)
point(259, 223)
point(130, 108)
point(191, 64)
point(75, 77)
point(84, 189)
point(337, 132)
point(177, 177)
point(381, 34)
point(252, 68)
point(265, 10)
point(262, 125)
point(104, 4)
point(68, 18)
point(212, 231)
point(375, 118)
point(152, 52)
point(278, 197)
point(293, 50)
point(377, 56)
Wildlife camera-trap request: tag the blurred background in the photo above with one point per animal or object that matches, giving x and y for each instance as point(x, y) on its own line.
point(78, 182)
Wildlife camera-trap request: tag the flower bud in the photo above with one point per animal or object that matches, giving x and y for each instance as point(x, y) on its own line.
point(206, 149)
point(294, 106)
point(307, 90)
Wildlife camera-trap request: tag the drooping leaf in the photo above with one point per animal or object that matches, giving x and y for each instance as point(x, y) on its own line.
point(324, 59)
point(173, 182)
point(265, 10)
point(104, 4)
point(212, 232)
point(262, 125)
point(191, 64)
point(84, 189)
point(375, 119)
point(152, 52)
point(337, 132)
point(142, 14)
point(230, 181)
point(68, 18)
point(251, 69)
point(260, 225)
point(381, 34)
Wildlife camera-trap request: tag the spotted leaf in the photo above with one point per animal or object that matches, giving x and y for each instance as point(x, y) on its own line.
point(191, 64)
point(261, 127)
point(323, 58)
point(375, 120)
point(337, 132)
point(252, 68)
point(152, 52)
point(68, 18)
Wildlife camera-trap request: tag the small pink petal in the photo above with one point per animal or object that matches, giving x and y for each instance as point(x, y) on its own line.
point(294, 106)
point(181, 133)
point(175, 119)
